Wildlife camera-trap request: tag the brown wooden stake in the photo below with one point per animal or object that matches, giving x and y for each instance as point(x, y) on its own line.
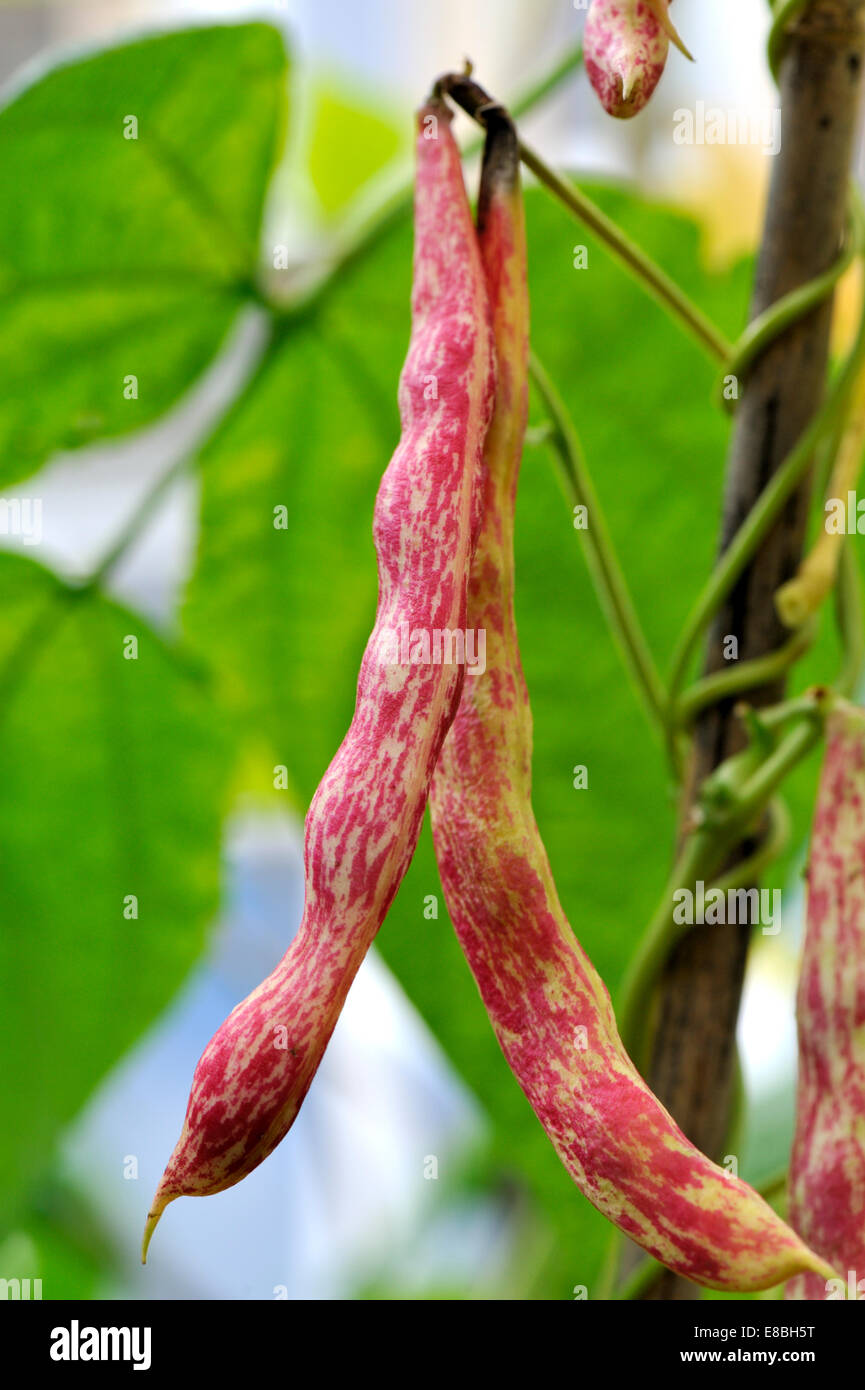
point(820, 82)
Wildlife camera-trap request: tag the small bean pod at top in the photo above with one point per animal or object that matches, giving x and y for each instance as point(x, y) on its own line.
point(625, 47)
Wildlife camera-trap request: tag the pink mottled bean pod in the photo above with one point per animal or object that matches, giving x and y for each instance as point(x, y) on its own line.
point(364, 820)
point(827, 1168)
point(549, 1007)
point(625, 47)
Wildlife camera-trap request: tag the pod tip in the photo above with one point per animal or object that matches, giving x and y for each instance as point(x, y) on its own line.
point(819, 1266)
point(661, 14)
point(628, 79)
point(160, 1202)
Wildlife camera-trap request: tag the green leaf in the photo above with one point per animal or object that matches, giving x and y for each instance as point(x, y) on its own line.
point(285, 589)
point(126, 252)
point(349, 144)
point(112, 786)
point(287, 613)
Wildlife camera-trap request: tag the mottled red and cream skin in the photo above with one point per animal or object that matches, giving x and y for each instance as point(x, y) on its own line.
point(364, 820)
point(625, 45)
point(550, 1009)
point(827, 1166)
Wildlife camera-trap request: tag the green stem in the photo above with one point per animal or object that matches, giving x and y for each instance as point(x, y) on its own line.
point(850, 611)
point(762, 516)
point(534, 95)
point(764, 329)
point(793, 747)
point(608, 578)
point(800, 706)
point(475, 102)
point(659, 284)
point(763, 669)
point(783, 482)
point(700, 856)
point(773, 846)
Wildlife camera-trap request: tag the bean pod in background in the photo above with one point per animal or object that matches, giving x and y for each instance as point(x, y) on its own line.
point(625, 46)
point(364, 820)
point(827, 1167)
point(549, 1007)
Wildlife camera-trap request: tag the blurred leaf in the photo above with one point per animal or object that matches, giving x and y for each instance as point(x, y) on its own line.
point(288, 612)
point(61, 1242)
point(349, 144)
point(112, 786)
point(124, 256)
point(287, 608)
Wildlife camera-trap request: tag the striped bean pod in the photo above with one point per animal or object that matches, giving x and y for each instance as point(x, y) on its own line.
point(827, 1167)
point(549, 1007)
point(625, 47)
point(365, 818)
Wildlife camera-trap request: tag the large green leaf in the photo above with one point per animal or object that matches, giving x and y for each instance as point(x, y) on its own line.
point(287, 612)
point(129, 257)
point(112, 787)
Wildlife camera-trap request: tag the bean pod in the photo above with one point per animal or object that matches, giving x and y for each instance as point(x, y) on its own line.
point(625, 46)
point(549, 1007)
point(827, 1168)
point(364, 820)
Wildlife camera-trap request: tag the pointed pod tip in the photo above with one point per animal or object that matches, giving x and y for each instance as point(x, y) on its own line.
point(160, 1202)
point(804, 1260)
point(628, 79)
point(660, 9)
point(628, 89)
point(818, 1266)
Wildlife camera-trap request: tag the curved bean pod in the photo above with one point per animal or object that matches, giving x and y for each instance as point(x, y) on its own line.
point(549, 1007)
point(364, 820)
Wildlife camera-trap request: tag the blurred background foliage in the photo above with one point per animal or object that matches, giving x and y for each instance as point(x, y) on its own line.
point(156, 256)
